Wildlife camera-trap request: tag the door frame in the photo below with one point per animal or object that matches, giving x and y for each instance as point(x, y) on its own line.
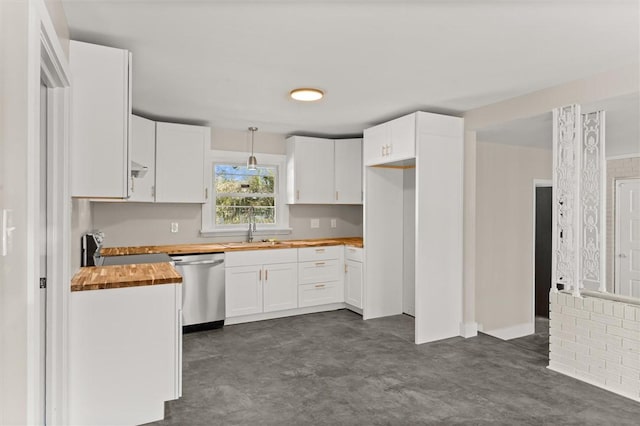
point(537, 183)
point(47, 61)
point(616, 229)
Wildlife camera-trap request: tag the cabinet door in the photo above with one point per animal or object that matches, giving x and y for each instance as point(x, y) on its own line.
point(280, 284)
point(143, 153)
point(348, 171)
point(100, 113)
point(402, 143)
point(243, 290)
point(180, 162)
point(313, 171)
point(353, 283)
point(374, 144)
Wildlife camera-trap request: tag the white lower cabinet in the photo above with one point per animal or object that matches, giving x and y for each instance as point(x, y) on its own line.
point(353, 283)
point(320, 294)
point(353, 276)
point(125, 354)
point(280, 287)
point(243, 292)
point(320, 276)
point(254, 286)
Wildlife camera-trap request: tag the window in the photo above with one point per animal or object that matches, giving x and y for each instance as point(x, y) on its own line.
point(239, 190)
point(238, 193)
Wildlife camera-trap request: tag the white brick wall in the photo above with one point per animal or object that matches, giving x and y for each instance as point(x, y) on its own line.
point(597, 341)
point(616, 169)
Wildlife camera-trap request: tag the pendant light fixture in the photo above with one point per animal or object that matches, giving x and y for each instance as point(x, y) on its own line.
point(252, 163)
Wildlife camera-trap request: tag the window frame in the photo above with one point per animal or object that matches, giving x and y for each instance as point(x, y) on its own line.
point(208, 226)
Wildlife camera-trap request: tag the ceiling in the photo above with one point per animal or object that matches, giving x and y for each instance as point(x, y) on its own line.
point(622, 127)
point(231, 64)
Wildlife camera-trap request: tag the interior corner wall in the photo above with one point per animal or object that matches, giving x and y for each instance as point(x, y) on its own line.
point(504, 238)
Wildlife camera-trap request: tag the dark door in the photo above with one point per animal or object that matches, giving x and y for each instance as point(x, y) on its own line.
point(543, 250)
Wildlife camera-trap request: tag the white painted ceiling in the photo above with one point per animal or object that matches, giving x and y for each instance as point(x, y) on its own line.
point(622, 127)
point(231, 64)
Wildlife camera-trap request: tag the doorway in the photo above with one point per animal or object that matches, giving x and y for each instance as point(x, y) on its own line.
point(543, 197)
point(627, 239)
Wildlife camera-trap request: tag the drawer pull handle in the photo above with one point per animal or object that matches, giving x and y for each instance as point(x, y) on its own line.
point(266, 275)
point(319, 250)
point(320, 263)
point(319, 285)
point(260, 275)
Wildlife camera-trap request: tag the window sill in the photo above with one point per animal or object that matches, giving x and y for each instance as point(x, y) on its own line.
point(242, 232)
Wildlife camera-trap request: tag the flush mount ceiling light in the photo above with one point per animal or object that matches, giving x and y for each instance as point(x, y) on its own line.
point(306, 94)
point(252, 163)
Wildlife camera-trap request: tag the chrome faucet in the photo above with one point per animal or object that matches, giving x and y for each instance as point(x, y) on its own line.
point(252, 224)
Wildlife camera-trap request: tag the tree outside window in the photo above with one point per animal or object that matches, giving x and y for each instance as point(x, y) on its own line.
point(237, 189)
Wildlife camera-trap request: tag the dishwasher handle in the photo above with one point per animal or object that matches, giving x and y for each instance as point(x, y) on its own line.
point(199, 262)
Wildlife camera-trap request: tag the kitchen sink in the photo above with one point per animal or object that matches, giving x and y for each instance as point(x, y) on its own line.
point(257, 244)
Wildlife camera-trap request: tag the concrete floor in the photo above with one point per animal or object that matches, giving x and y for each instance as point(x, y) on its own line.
point(333, 368)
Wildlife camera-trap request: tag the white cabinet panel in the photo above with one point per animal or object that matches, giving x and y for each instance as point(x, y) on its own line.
point(180, 162)
point(100, 113)
point(313, 254)
point(124, 353)
point(319, 271)
point(391, 141)
point(354, 253)
point(374, 145)
point(260, 257)
point(310, 170)
point(353, 283)
point(280, 287)
point(143, 152)
point(243, 290)
point(348, 171)
point(320, 294)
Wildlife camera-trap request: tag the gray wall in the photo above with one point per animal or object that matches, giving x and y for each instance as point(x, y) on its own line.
point(132, 224)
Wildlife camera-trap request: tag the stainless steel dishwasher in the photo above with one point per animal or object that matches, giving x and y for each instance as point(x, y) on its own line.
point(202, 290)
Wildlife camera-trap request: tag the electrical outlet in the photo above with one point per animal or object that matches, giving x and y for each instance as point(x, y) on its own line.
point(315, 223)
point(174, 227)
point(334, 223)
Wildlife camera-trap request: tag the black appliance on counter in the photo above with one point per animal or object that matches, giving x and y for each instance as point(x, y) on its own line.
point(90, 248)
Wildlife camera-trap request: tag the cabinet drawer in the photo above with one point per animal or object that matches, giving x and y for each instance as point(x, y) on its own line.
point(353, 253)
point(260, 257)
point(312, 254)
point(320, 294)
point(320, 271)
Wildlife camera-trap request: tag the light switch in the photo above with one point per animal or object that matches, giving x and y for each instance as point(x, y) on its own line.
point(174, 227)
point(315, 223)
point(334, 223)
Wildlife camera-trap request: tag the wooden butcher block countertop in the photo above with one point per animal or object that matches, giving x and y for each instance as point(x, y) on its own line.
point(119, 276)
point(225, 247)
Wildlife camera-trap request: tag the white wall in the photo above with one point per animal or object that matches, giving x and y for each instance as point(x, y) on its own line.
point(14, 158)
point(504, 232)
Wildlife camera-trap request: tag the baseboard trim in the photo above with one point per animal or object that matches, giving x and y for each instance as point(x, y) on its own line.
point(281, 314)
point(596, 384)
point(468, 329)
point(512, 332)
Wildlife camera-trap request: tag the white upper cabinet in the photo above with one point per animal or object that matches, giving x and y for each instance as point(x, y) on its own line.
point(348, 171)
point(143, 159)
point(389, 142)
point(180, 162)
point(100, 113)
point(324, 171)
point(310, 170)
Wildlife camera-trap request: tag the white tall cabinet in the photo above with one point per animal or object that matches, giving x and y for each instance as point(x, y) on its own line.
point(100, 111)
point(431, 146)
